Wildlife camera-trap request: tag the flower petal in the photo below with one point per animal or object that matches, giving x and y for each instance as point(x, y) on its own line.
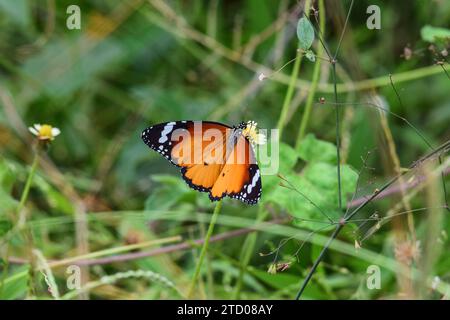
point(55, 132)
point(33, 131)
point(260, 138)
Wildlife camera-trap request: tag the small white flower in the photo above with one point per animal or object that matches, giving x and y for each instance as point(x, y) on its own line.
point(252, 134)
point(260, 138)
point(435, 283)
point(44, 132)
point(262, 77)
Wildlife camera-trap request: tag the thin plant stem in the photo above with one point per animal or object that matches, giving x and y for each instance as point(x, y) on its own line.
point(348, 218)
point(27, 235)
point(27, 188)
point(27, 232)
point(198, 267)
point(289, 93)
point(318, 260)
point(444, 189)
point(314, 81)
point(445, 71)
point(338, 156)
point(209, 276)
point(343, 30)
point(338, 137)
point(247, 249)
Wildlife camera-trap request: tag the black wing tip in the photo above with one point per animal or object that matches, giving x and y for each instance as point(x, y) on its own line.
point(144, 135)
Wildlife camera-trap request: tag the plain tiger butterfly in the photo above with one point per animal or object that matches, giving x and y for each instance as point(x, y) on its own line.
point(213, 157)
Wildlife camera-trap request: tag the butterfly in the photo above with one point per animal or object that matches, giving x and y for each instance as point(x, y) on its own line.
point(213, 157)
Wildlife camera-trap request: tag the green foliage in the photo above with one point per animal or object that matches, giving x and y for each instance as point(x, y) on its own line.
point(434, 34)
point(315, 150)
point(316, 182)
point(5, 226)
point(133, 66)
point(7, 178)
point(16, 285)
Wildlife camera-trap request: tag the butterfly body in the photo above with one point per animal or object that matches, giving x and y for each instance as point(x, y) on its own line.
point(213, 157)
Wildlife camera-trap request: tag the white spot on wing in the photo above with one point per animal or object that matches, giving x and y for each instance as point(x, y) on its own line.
point(254, 180)
point(167, 129)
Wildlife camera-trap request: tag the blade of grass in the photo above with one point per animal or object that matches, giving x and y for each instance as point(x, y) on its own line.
point(290, 91)
point(247, 249)
point(204, 248)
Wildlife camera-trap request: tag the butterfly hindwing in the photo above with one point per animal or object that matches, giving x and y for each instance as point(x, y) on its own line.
point(239, 179)
point(201, 177)
point(251, 191)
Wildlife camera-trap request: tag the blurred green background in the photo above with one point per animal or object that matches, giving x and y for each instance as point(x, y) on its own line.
point(132, 64)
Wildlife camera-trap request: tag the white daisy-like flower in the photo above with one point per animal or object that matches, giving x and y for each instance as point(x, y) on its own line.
point(252, 134)
point(44, 132)
point(262, 77)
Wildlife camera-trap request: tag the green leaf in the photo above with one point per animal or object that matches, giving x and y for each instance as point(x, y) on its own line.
point(305, 33)
point(433, 34)
point(288, 157)
point(313, 150)
point(171, 189)
point(316, 188)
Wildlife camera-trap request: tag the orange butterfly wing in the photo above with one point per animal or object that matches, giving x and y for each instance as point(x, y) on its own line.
point(209, 160)
point(201, 154)
point(240, 176)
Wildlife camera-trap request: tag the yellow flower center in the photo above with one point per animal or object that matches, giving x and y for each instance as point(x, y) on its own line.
point(45, 132)
point(251, 133)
